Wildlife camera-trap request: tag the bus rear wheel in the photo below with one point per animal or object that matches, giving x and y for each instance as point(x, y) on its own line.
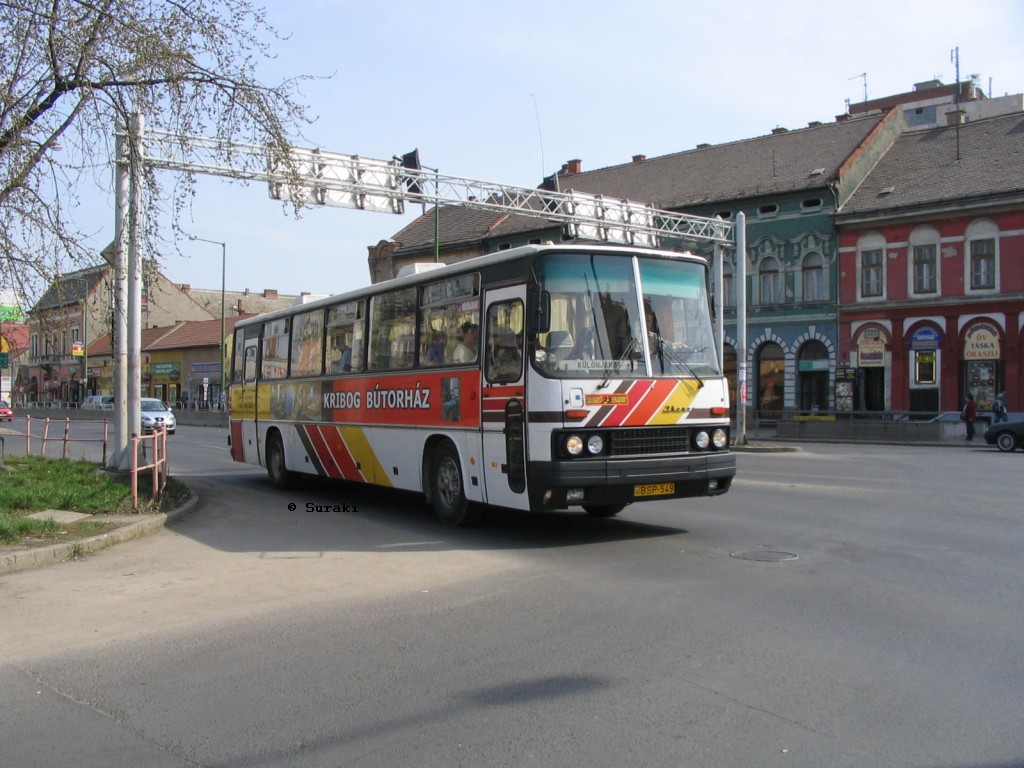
point(448, 490)
point(279, 476)
point(599, 511)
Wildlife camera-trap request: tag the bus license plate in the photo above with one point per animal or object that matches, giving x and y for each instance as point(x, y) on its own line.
point(655, 489)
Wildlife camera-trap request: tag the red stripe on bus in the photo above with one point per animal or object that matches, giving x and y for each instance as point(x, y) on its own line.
point(345, 462)
point(322, 450)
point(651, 402)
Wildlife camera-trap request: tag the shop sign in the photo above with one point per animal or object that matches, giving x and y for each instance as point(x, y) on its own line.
point(164, 369)
point(926, 337)
point(982, 342)
point(813, 365)
point(871, 349)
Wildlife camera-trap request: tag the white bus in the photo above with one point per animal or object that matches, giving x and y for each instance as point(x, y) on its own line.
point(537, 378)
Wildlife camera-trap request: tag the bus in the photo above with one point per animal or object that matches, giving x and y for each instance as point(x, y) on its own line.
point(545, 377)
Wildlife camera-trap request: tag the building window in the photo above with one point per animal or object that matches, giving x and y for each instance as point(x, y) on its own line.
point(728, 285)
point(983, 264)
point(871, 283)
point(925, 269)
point(813, 278)
point(771, 282)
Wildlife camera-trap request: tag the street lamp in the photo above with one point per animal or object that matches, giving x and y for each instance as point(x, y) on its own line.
point(223, 272)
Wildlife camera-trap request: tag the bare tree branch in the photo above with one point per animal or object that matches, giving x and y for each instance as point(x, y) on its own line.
point(72, 70)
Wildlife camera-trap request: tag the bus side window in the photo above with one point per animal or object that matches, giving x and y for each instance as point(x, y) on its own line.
point(250, 364)
point(345, 338)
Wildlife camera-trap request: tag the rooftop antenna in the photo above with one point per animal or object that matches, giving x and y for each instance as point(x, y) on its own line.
point(954, 56)
point(862, 76)
point(540, 135)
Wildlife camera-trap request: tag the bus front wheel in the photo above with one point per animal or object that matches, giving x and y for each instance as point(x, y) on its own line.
point(449, 491)
point(279, 476)
point(608, 511)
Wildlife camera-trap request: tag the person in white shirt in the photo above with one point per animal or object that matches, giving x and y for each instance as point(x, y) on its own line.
point(468, 348)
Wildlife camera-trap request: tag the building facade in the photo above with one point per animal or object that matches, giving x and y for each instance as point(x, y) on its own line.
point(932, 259)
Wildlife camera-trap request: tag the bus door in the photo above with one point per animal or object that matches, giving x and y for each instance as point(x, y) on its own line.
point(248, 407)
point(504, 397)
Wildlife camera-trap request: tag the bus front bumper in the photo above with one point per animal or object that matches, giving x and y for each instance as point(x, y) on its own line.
point(561, 484)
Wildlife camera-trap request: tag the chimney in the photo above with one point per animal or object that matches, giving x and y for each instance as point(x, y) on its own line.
point(814, 124)
point(842, 118)
point(185, 288)
point(269, 293)
point(780, 129)
point(573, 167)
point(703, 146)
point(246, 291)
point(240, 311)
point(639, 158)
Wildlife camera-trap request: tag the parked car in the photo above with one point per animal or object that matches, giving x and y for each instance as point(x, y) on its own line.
point(98, 403)
point(156, 412)
point(1006, 435)
point(5, 411)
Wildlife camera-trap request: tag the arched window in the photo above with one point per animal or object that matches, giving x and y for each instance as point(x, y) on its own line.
point(771, 281)
point(770, 381)
point(813, 366)
point(729, 368)
point(813, 278)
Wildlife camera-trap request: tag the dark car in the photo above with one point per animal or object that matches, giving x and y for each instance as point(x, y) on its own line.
point(1006, 435)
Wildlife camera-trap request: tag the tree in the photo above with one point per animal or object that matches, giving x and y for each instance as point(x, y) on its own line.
point(73, 70)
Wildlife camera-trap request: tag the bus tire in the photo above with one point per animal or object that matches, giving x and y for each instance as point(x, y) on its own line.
point(279, 476)
point(448, 491)
point(603, 511)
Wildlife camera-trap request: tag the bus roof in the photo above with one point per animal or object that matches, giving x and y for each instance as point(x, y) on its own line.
point(469, 265)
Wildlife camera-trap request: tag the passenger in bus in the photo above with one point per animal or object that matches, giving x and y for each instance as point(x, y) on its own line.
point(468, 348)
point(435, 351)
point(506, 359)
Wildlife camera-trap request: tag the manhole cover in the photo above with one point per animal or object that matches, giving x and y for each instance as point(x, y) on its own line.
point(765, 556)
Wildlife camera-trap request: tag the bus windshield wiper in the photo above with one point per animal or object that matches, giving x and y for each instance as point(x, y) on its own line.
point(665, 349)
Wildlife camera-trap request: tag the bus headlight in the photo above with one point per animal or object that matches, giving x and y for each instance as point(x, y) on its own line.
point(574, 445)
point(595, 444)
point(720, 438)
point(701, 440)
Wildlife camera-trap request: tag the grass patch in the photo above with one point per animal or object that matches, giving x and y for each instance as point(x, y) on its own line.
point(34, 483)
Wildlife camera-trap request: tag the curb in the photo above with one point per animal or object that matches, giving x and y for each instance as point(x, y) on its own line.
point(27, 559)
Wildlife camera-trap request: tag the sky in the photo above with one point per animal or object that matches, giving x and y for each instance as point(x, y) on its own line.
point(508, 92)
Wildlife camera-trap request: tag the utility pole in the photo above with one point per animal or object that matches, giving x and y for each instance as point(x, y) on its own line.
point(223, 332)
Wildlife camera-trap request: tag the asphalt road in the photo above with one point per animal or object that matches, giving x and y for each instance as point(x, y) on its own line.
point(251, 635)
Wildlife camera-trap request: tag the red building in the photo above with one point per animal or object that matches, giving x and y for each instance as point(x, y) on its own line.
point(931, 289)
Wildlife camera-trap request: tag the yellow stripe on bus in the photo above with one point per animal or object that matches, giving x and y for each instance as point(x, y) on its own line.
point(676, 404)
point(362, 452)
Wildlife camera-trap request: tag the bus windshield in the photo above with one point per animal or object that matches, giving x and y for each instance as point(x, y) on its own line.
point(602, 324)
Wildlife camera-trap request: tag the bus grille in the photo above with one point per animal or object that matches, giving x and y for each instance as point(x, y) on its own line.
point(631, 442)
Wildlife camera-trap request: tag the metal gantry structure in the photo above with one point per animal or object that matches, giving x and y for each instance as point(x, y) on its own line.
point(315, 177)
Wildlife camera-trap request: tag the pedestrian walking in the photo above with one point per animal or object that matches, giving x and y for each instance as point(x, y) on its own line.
point(969, 415)
point(999, 408)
